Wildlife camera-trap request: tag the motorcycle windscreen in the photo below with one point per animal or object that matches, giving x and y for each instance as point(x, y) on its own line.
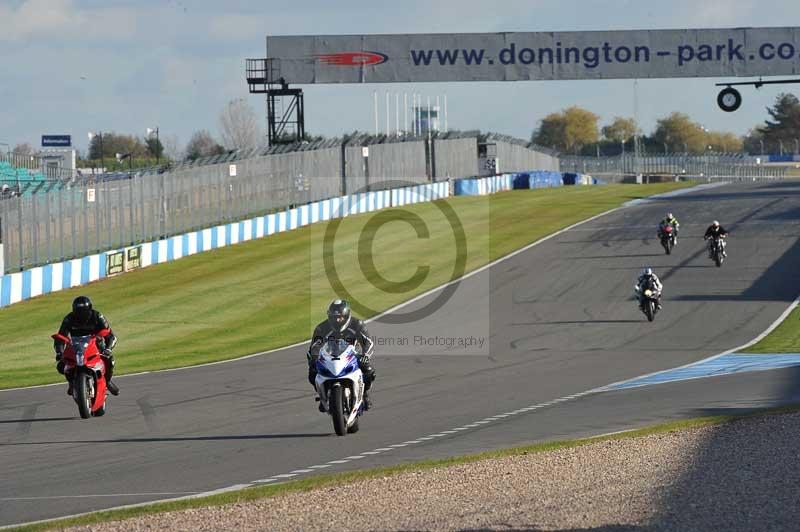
point(79, 346)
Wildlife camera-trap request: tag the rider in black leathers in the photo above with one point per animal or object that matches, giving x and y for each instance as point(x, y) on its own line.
point(83, 321)
point(342, 325)
point(715, 230)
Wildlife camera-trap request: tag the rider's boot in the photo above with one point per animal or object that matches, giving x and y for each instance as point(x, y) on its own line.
point(112, 387)
point(367, 400)
point(69, 384)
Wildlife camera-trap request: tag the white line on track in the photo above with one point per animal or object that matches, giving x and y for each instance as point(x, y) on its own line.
point(97, 495)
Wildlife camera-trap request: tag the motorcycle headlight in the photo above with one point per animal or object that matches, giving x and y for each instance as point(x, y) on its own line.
point(648, 292)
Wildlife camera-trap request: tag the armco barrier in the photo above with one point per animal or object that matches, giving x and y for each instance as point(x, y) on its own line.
point(480, 186)
point(16, 287)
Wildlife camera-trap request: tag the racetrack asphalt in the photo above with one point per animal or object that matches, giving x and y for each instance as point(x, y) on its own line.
point(557, 320)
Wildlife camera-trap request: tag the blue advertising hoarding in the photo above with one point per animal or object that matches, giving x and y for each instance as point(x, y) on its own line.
point(56, 141)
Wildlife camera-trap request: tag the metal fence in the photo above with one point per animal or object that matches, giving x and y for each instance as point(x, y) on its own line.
point(84, 218)
point(706, 166)
point(52, 221)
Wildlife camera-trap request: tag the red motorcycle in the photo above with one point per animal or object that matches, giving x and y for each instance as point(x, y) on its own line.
point(667, 235)
point(86, 370)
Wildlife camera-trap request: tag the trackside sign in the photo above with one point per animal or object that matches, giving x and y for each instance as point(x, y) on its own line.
point(536, 56)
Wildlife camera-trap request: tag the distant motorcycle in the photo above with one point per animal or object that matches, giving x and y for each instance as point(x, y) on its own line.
point(648, 300)
point(668, 241)
point(340, 385)
point(86, 371)
point(718, 250)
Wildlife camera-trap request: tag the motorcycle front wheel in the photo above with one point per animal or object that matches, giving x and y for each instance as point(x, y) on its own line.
point(650, 311)
point(82, 394)
point(336, 406)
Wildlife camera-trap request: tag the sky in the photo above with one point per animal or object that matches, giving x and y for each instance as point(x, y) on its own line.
point(74, 66)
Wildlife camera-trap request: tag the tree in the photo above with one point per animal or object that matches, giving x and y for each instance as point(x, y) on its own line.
point(754, 141)
point(171, 147)
point(154, 147)
point(581, 128)
point(724, 141)
point(551, 131)
point(620, 130)
point(24, 149)
point(784, 127)
point(113, 143)
point(239, 125)
point(202, 144)
point(678, 132)
point(568, 130)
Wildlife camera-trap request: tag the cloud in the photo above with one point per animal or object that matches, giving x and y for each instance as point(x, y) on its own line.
point(61, 20)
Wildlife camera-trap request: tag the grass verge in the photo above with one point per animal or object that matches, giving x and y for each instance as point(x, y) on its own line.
point(340, 479)
point(784, 339)
point(270, 292)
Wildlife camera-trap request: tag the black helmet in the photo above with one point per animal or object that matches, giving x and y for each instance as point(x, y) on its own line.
point(339, 315)
point(82, 308)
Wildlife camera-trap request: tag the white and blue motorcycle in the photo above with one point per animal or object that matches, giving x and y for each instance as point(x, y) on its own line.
point(340, 385)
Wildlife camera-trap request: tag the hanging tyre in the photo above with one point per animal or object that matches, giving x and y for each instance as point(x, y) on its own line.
point(729, 99)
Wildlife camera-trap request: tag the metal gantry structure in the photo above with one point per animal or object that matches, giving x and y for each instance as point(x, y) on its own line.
point(285, 113)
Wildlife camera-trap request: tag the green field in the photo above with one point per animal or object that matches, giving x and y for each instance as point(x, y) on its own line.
point(270, 292)
point(784, 339)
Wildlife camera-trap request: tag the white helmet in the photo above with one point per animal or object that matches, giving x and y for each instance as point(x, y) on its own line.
point(715, 223)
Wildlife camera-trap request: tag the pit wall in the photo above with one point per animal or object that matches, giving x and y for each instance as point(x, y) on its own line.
point(16, 287)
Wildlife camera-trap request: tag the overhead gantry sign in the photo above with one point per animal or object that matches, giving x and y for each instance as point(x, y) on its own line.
point(441, 57)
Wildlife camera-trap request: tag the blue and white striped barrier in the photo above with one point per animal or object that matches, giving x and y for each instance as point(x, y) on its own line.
point(16, 287)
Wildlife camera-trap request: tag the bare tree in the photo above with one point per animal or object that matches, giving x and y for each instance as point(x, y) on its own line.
point(23, 149)
point(239, 125)
point(172, 147)
point(202, 144)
